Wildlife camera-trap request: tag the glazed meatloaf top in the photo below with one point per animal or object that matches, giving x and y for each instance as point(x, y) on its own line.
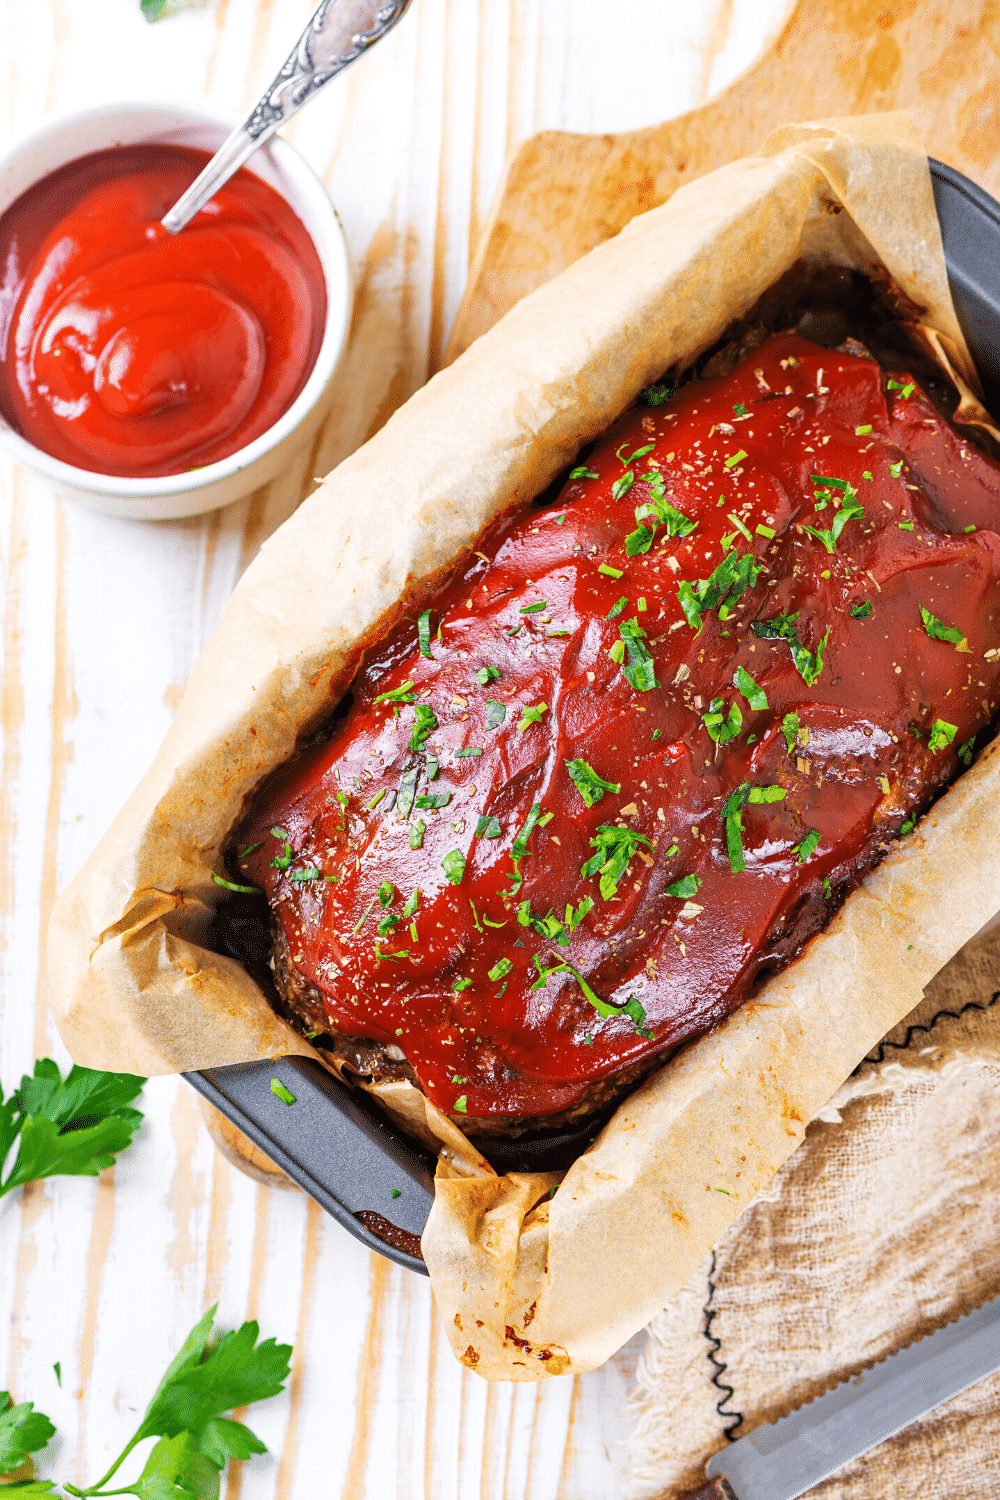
point(640, 747)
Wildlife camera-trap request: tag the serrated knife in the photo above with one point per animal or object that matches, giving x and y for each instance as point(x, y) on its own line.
point(781, 1460)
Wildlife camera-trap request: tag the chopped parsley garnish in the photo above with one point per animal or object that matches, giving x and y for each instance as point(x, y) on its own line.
point(417, 831)
point(532, 714)
point(397, 955)
point(850, 509)
point(684, 888)
point(639, 453)
point(500, 968)
point(433, 799)
point(460, 1106)
point(896, 469)
point(453, 865)
point(365, 915)
point(587, 782)
point(751, 690)
point(283, 860)
point(863, 430)
point(862, 611)
point(939, 631)
point(519, 848)
point(462, 984)
point(907, 826)
point(609, 571)
point(616, 847)
point(905, 525)
point(632, 1008)
point(661, 510)
point(731, 815)
point(722, 727)
point(424, 633)
point(616, 609)
point(488, 828)
point(251, 847)
point(639, 673)
point(407, 792)
point(616, 651)
point(470, 750)
point(387, 923)
point(412, 902)
point(941, 735)
point(574, 918)
point(782, 628)
point(766, 531)
point(807, 845)
point(425, 722)
point(432, 765)
point(279, 1091)
point(790, 729)
point(740, 409)
point(231, 885)
point(377, 799)
point(486, 674)
point(623, 485)
point(397, 695)
point(386, 893)
point(740, 527)
point(722, 589)
point(582, 472)
point(675, 848)
point(905, 391)
point(965, 751)
point(736, 458)
point(656, 395)
point(533, 609)
point(496, 712)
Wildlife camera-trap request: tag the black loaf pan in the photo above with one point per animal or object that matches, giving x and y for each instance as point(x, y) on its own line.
point(335, 1142)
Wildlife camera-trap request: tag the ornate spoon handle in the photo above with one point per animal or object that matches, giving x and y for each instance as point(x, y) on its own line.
point(338, 32)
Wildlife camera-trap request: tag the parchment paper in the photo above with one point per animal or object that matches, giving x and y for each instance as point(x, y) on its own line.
point(528, 1286)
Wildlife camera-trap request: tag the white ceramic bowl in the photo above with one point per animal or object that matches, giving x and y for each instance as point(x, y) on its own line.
point(65, 137)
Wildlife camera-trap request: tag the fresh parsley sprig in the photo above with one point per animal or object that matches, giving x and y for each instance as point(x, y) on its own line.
point(186, 1414)
point(66, 1127)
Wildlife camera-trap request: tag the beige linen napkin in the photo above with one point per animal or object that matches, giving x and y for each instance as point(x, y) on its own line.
point(882, 1226)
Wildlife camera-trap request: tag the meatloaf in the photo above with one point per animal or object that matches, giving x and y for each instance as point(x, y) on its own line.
point(639, 748)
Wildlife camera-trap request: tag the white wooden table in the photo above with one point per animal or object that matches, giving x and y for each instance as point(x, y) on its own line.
point(102, 620)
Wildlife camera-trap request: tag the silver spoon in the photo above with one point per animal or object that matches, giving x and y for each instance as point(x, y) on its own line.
point(339, 31)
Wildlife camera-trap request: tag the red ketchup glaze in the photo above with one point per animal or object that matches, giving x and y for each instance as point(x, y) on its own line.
point(130, 351)
point(735, 455)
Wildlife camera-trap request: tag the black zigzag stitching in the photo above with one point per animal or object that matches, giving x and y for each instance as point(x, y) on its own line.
point(719, 1368)
point(911, 1031)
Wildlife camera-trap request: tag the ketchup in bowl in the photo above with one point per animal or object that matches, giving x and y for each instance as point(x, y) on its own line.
point(129, 351)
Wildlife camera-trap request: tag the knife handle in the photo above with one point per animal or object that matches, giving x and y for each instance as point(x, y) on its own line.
point(714, 1489)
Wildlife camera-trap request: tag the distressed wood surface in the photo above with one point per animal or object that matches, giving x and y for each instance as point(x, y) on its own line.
point(102, 620)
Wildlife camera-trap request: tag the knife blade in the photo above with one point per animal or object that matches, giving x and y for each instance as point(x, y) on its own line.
point(781, 1460)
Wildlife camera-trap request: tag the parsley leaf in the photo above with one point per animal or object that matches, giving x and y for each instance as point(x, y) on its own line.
point(639, 673)
point(808, 844)
point(615, 847)
point(790, 729)
point(751, 690)
point(861, 611)
point(496, 712)
point(397, 695)
point(721, 590)
point(941, 735)
point(186, 1413)
point(588, 783)
point(639, 453)
point(733, 821)
point(72, 1127)
point(519, 848)
point(488, 828)
point(453, 865)
point(656, 395)
point(939, 631)
point(424, 633)
point(425, 722)
point(407, 792)
point(965, 751)
point(500, 968)
point(783, 628)
point(433, 799)
point(532, 714)
point(582, 472)
point(850, 509)
point(632, 1008)
point(722, 728)
point(485, 674)
point(623, 485)
point(417, 830)
point(22, 1431)
point(684, 888)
